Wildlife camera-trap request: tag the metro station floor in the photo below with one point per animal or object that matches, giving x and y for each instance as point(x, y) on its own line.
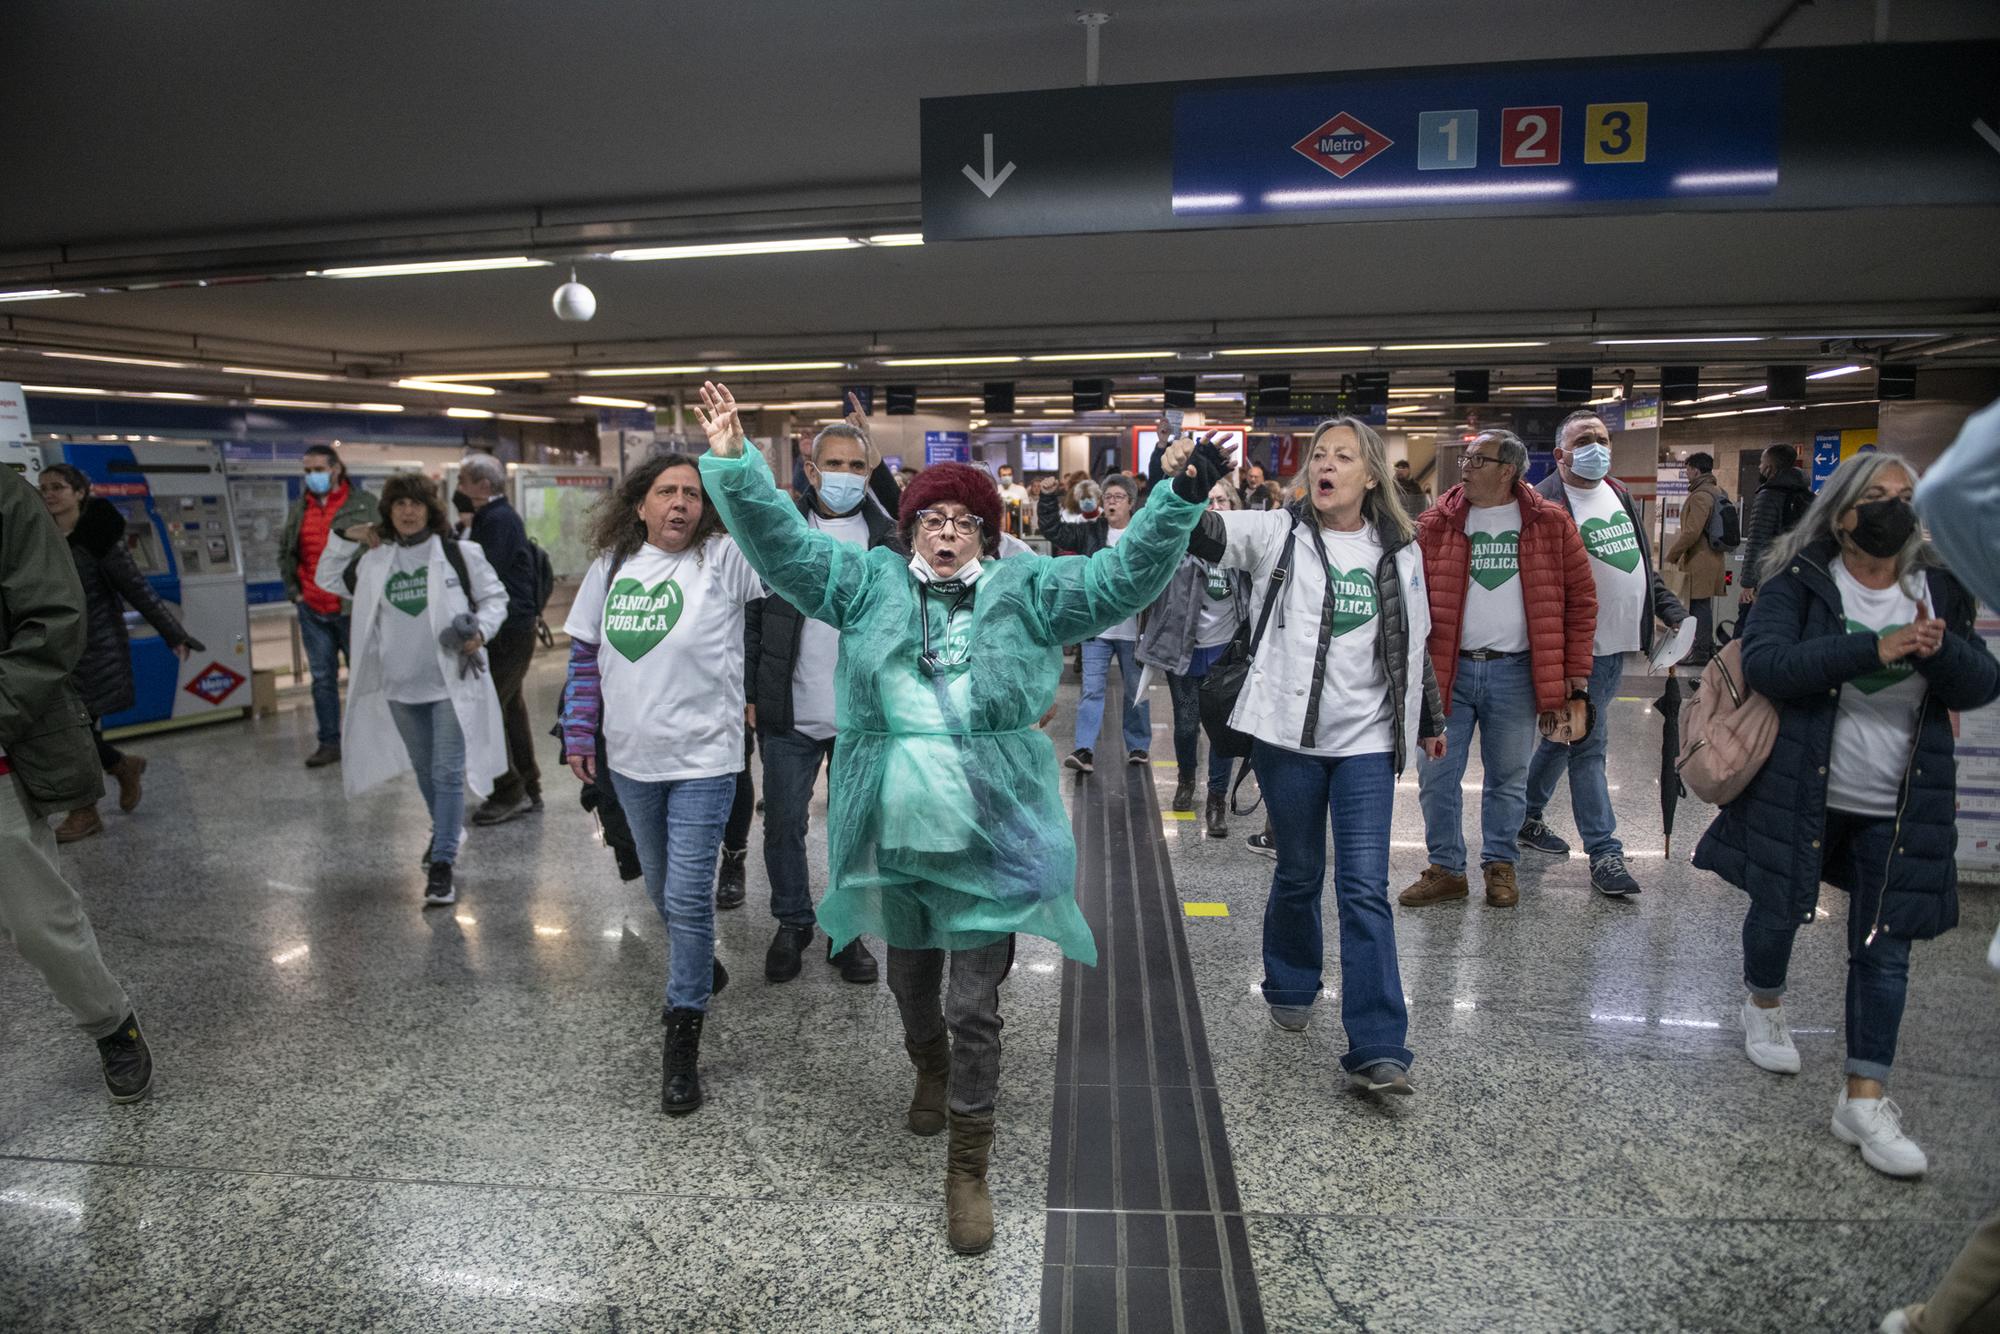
point(371, 1116)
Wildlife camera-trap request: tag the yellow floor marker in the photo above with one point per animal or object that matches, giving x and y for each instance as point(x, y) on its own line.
point(1205, 909)
point(1179, 815)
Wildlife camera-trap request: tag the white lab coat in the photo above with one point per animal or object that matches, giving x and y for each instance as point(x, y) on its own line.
point(371, 749)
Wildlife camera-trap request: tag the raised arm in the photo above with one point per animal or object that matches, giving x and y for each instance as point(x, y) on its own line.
point(820, 575)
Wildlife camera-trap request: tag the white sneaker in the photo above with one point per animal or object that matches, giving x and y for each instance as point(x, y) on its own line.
point(1767, 1041)
point(1875, 1126)
point(1897, 1321)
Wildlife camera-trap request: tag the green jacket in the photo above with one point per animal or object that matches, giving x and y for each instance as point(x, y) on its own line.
point(43, 725)
point(361, 507)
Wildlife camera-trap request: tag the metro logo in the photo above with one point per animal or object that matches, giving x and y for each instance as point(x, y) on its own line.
point(1343, 144)
point(215, 683)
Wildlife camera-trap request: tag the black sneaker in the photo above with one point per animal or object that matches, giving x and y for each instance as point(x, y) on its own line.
point(680, 1082)
point(534, 803)
point(1611, 879)
point(439, 888)
point(1263, 845)
point(1137, 757)
point(1534, 834)
point(788, 947)
point(1080, 760)
point(729, 890)
point(128, 1062)
point(1217, 815)
point(322, 757)
point(1381, 1077)
point(855, 963)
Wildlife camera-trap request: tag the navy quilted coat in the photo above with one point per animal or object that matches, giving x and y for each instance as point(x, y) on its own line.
point(1797, 653)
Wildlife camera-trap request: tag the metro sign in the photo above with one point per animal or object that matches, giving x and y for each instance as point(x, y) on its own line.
point(215, 683)
point(1342, 144)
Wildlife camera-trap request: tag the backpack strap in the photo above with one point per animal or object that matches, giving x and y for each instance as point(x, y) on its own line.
point(1279, 573)
point(456, 558)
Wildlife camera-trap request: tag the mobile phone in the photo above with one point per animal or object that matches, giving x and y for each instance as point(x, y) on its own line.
point(1174, 416)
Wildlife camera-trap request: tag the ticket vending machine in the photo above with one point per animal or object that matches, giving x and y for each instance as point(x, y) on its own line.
point(180, 529)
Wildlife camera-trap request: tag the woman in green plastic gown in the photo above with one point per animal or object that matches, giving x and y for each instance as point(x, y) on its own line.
point(947, 832)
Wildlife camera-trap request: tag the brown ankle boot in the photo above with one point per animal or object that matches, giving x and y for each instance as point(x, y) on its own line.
point(968, 1208)
point(1435, 885)
point(79, 823)
point(933, 1062)
point(1501, 890)
point(127, 772)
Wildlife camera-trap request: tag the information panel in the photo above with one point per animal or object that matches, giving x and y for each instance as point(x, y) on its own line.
point(555, 508)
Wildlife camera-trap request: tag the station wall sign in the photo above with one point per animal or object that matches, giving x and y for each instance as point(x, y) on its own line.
point(947, 447)
point(1832, 127)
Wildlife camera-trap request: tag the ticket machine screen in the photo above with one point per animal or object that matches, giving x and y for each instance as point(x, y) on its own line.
point(198, 526)
point(141, 537)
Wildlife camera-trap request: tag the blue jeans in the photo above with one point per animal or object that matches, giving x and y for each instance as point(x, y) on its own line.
point(1358, 791)
point(1186, 694)
point(437, 752)
point(325, 640)
point(1589, 798)
point(791, 766)
point(1497, 696)
point(678, 829)
point(1878, 975)
point(1137, 714)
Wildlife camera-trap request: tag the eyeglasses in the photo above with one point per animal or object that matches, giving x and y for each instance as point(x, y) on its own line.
point(965, 525)
point(1474, 462)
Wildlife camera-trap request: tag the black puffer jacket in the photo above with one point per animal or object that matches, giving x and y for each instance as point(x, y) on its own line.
point(110, 580)
point(1083, 538)
point(1797, 653)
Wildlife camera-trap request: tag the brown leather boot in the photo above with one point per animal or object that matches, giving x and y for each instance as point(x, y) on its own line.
point(933, 1062)
point(968, 1208)
point(79, 823)
point(127, 772)
point(1501, 891)
point(1435, 885)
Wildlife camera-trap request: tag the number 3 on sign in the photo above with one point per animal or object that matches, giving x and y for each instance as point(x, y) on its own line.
point(1614, 132)
point(1531, 136)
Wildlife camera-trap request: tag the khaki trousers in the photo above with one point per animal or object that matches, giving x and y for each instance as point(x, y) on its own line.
point(42, 915)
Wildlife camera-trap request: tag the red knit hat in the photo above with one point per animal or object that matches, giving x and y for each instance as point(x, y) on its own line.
point(954, 482)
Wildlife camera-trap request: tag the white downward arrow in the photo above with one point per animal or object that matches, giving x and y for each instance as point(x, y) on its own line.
point(988, 183)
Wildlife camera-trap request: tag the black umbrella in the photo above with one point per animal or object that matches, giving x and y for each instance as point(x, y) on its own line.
point(1669, 706)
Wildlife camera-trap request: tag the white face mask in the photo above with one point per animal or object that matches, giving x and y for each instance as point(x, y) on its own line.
point(965, 574)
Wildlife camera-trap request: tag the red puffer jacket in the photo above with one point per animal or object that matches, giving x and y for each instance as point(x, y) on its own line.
point(1556, 589)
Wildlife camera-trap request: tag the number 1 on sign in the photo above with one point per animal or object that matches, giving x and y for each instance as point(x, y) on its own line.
point(1447, 140)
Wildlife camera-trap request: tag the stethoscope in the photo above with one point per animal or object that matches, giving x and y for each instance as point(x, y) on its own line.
point(928, 659)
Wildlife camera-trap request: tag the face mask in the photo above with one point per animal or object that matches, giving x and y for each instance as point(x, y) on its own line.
point(958, 582)
point(1086, 507)
point(1591, 462)
point(1882, 526)
point(841, 492)
point(463, 503)
point(319, 483)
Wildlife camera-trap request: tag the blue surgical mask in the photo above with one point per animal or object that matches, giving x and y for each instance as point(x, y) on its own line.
point(1591, 462)
point(319, 483)
point(841, 492)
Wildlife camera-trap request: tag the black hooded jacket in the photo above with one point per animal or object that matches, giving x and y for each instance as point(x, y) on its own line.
point(111, 579)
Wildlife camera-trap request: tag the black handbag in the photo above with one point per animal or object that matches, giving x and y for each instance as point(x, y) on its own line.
point(1224, 681)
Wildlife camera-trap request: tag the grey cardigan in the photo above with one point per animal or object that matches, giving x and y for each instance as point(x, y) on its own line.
point(1167, 642)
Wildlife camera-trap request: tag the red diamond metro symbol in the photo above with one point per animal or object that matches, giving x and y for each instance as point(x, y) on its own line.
point(215, 684)
point(1342, 144)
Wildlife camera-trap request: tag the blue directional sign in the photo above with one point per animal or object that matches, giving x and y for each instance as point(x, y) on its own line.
point(947, 447)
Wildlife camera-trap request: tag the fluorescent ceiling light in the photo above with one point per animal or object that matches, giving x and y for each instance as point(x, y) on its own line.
point(63, 389)
point(467, 412)
point(707, 250)
point(1419, 391)
point(428, 266)
point(748, 366)
point(119, 361)
point(1835, 373)
point(948, 361)
point(1524, 389)
point(439, 386)
point(184, 398)
point(284, 403)
point(460, 376)
point(897, 238)
point(1405, 410)
point(1293, 351)
point(369, 407)
point(1103, 356)
point(39, 294)
point(965, 400)
point(803, 405)
point(597, 371)
point(599, 401)
point(523, 417)
point(279, 375)
point(1747, 390)
point(318, 406)
point(1456, 347)
point(1218, 398)
point(1649, 342)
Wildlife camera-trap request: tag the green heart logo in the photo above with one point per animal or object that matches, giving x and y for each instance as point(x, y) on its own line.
point(1353, 599)
point(1496, 557)
point(1612, 541)
point(1219, 589)
point(637, 618)
point(1882, 677)
point(410, 591)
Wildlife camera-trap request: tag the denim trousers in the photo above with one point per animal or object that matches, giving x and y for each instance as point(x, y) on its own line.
point(1186, 694)
point(1498, 697)
point(1356, 793)
point(437, 752)
point(1589, 797)
point(1136, 716)
point(325, 640)
point(1878, 975)
point(678, 829)
point(969, 1009)
point(792, 763)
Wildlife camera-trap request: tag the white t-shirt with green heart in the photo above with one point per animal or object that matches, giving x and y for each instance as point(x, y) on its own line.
point(410, 671)
point(1612, 543)
point(1355, 717)
point(1876, 724)
point(669, 631)
point(1495, 616)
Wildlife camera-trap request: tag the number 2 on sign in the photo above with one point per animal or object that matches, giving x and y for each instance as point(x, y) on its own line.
point(1614, 132)
point(1531, 136)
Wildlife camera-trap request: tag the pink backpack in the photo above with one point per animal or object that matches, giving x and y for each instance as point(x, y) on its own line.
point(1726, 731)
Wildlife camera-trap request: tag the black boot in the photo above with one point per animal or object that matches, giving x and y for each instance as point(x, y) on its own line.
point(855, 963)
point(781, 961)
point(1218, 815)
point(729, 881)
point(680, 1083)
point(1184, 793)
point(128, 1062)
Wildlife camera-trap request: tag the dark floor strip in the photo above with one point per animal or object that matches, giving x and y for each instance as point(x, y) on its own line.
point(1145, 1227)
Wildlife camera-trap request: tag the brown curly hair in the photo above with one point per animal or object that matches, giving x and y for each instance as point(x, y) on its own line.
point(414, 486)
point(615, 526)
